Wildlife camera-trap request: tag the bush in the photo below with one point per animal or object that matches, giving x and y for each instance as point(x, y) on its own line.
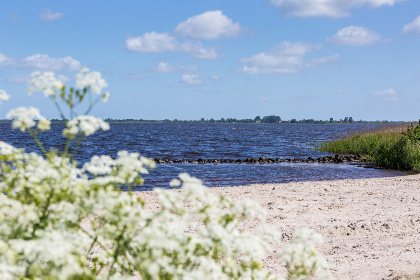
point(59, 220)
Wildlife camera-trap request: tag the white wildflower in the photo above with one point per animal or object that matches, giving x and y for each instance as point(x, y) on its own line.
point(86, 79)
point(3, 96)
point(7, 149)
point(87, 125)
point(45, 82)
point(301, 257)
point(99, 165)
point(24, 118)
point(175, 183)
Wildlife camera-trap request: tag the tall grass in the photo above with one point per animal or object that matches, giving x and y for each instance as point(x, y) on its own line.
point(389, 146)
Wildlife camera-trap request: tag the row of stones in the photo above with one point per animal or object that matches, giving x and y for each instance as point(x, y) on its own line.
point(326, 159)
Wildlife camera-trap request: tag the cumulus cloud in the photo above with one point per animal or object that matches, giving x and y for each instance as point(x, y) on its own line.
point(317, 62)
point(413, 27)
point(385, 92)
point(19, 79)
point(209, 25)
point(42, 62)
point(25, 79)
point(165, 67)
point(152, 42)
point(286, 58)
point(196, 49)
point(326, 8)
point(355, 36)
point(163, 42)
point(48, 15)
point(191, 79)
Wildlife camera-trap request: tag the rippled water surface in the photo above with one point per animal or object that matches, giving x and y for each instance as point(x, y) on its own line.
point(194, 141)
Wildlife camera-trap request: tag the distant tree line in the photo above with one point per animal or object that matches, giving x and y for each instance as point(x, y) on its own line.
point(257, 119)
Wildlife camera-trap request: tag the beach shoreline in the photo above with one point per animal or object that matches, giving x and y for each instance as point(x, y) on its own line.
point(371, 227)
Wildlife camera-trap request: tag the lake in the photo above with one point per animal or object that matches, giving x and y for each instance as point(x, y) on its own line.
point(215, 141)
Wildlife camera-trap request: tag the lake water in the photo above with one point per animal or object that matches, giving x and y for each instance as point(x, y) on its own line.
point(215, 141)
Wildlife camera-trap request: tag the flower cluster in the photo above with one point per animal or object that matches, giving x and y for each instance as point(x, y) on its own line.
point(24, 119)
point(3, 96)
point(93, 80)
point(45, 82)
point(86, 125)
point(301, 256)
point(62, 221)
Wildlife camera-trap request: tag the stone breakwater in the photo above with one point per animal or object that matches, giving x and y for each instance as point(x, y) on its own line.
point(252, 160)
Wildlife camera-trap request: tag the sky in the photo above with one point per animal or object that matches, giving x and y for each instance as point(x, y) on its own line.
point(308, 59)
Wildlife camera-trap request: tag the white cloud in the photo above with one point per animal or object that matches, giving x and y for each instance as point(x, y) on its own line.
point(413, 27)
point(19, 79)
point(209, 25)
point(191, 79)
point(385, 92)
point(326, 8)
point(42, 62)
point(152, 42)
point(163, 42)
point(196, 49)
point(286, 58)
point(317, 62)
point(48, 15)
point(165, 67)
point(354, 36)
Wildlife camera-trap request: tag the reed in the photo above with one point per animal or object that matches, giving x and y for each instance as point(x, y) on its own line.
point(390, 146)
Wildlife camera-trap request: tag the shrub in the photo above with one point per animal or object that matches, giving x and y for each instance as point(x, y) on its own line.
point(59, 220)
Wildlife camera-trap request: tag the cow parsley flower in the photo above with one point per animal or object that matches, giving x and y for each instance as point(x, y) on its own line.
point(7, 149)
point(45, 82)
point(93, 80)
point(24, 119)
point(87, 125)
point(3, 96)
point(301, 257)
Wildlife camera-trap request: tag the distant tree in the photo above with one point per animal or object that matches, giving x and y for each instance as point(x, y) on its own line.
point(346, 119)
point(271, 119)
point(257, 118)
point(203, 120)
point(222, 120)
point(293, 121)
point(212, 120)
point(331, 120)
point(350, 120)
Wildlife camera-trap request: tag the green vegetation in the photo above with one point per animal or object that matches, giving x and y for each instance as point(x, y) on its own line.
point(391, 146)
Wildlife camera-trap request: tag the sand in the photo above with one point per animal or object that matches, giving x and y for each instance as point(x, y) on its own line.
point(371, 227)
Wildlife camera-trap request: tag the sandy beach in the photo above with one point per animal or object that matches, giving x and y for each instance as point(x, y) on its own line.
point(371, 227)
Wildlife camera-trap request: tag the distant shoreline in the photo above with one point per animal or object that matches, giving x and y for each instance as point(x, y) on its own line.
point(227, 123)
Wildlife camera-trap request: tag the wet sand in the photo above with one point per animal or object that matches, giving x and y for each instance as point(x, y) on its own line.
point(371, 227)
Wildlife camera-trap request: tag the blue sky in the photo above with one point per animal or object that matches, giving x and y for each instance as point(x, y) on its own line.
point(212, 59)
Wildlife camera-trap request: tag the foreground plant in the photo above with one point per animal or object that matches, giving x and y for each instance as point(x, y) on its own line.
point(59, 220)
